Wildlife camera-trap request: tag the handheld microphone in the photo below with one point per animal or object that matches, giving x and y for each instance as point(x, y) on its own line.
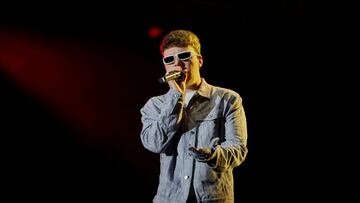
point(171, 76)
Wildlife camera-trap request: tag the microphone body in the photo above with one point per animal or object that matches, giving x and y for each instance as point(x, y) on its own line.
point(171, 76)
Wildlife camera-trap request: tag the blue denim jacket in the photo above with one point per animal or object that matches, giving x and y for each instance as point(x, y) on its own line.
point(213, 113)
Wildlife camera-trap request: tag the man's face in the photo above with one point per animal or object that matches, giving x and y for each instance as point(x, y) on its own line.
point(183, 59)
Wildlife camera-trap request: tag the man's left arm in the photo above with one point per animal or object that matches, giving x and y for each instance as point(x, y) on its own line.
point(233, 151)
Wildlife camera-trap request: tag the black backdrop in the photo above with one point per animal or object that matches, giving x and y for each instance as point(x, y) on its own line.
point(74, 77)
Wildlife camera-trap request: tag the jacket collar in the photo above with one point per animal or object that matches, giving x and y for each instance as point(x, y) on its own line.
point(204, 89)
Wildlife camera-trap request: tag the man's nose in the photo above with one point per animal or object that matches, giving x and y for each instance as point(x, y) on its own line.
point(178, 61)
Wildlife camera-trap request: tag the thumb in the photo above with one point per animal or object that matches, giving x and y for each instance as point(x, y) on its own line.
point(214, 142)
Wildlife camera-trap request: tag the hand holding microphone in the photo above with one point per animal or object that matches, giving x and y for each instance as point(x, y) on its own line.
point(176, 80)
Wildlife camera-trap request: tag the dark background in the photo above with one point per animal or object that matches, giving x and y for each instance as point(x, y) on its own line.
point(73, 78)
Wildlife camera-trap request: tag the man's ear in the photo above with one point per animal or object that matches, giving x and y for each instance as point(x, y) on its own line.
point(200, 60)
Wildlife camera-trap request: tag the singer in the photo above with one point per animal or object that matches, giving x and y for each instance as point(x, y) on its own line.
point(199, 130)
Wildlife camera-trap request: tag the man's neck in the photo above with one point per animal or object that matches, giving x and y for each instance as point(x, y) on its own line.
point(194, 86)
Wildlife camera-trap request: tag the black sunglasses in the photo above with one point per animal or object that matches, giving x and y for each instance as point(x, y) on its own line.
point(183, 56)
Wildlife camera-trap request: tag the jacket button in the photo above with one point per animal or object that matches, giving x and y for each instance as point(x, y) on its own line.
point(186, 177)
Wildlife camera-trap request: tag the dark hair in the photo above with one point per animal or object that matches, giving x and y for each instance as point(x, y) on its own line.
point(180, 38)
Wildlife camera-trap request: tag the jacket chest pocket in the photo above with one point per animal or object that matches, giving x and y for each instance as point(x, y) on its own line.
point(210, 127)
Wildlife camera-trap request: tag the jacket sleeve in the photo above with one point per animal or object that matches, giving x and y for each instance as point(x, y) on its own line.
point(233, 151)
point(160, 118)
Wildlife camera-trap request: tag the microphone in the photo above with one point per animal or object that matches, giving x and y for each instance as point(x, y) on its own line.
point(171, 76)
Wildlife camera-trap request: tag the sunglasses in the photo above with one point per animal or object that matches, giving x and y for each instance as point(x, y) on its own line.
point(183, 56)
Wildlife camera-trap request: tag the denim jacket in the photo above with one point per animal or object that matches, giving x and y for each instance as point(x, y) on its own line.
point(213, 113)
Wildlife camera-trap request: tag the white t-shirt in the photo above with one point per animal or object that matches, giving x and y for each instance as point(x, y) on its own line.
point(188, 95)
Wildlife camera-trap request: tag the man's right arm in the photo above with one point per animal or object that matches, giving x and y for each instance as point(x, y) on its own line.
point(160, 120)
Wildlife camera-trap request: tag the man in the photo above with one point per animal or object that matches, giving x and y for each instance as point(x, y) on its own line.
point(198, 129)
